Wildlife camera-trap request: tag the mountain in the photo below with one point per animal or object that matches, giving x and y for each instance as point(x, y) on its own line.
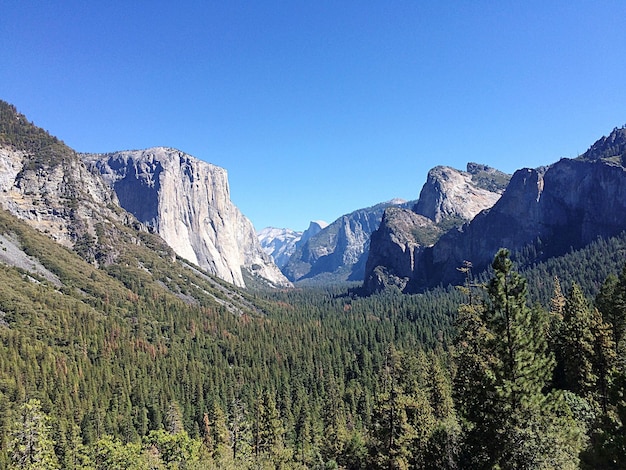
point(281, 243)
point(80, 201)
point(454, 195)
point(45, 183)
point(187, 202)
point(448, 199)
point(339, 251)
point(543, 213)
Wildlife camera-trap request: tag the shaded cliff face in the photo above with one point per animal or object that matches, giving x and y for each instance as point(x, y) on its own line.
point(395, 248)
point(187, 202)
point(448, 199)
point(570, 205)
point(338, 252)
point(543, 213)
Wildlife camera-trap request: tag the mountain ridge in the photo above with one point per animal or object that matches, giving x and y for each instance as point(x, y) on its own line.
point(49, 185)
point(546, 211)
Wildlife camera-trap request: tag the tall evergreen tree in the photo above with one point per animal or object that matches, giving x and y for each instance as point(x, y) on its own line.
point(31, 446)
point(510, 422)
point(611, 301)
point(403, 418)
point(578, 344)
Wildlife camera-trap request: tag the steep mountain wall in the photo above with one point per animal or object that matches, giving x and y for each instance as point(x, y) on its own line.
point(187, 202)
point(45, 183)
point(339, 251)
point(448, 199)
point(395, 247)
point(571, 204)
point(543, 213)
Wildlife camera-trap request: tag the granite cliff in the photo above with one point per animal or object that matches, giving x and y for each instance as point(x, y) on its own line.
point(84, 201)
point(543, 213)
point(187, 202)
point(45, 183)
point(448, 199)
point(339, 251)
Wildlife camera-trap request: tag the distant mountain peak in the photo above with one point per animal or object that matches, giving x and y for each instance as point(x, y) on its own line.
point(281, 243)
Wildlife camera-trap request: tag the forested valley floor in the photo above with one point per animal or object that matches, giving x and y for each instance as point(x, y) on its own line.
point(116, 368)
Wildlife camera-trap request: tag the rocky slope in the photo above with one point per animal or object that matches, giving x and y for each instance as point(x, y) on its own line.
point(543, 213)
point(448, 199)
point(395, 247)
point(187, 202)
point(338, 252)
point(281, 243)
point(450, 194)
point(45, 183)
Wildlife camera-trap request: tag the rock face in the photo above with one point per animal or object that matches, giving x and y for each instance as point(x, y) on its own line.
point(448, 199)
point(281, 243)
point(395, 247)
point(44, 182)
point(449, 194)
point(338, 252)
point(571, 204)
point(543, 213)
point(187, 202)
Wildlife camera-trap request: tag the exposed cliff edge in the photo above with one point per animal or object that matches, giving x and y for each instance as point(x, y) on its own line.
point(45, 183)
point(448, 199)
point(450, 194)
point(187, 202)
point(543, 213)
point(338, 252)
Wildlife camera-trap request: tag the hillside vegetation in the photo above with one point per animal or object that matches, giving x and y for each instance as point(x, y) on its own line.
point(130, 357)
point(142, 361)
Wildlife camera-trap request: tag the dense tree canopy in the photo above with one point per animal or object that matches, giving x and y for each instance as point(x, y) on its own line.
point(115, 367)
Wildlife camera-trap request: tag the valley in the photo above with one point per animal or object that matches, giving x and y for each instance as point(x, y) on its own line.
point(143, 326)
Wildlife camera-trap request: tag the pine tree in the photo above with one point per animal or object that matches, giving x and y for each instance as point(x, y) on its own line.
point(218, 431)
point(474, 388)
point(611, 301)
point(174, 419)
point(578, 345)
point(239, 429)
point(510, 422)
point(403, 418)
point(268, 430)
point(31, 445)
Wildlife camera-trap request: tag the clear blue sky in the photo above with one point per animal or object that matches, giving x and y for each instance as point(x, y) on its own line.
point(318, 108)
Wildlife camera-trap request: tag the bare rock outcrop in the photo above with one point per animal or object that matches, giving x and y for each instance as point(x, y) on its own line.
point(448, 199)
point(187, 202)
point(450, 194)
point(543, 213)
point(397, 245)
point(57, 195)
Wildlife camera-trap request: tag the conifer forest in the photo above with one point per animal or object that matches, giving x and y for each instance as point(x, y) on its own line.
point(149, 363)
point(511, 370)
